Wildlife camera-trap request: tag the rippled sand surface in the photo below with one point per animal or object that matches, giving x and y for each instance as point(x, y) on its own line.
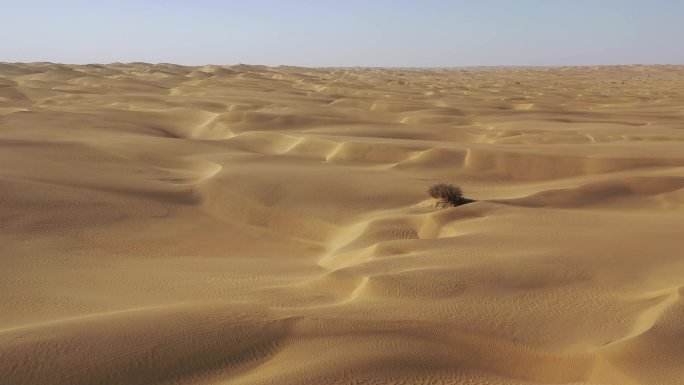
point(162, 224)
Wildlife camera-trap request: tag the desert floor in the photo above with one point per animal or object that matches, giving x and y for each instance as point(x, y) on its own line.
point(162, 224)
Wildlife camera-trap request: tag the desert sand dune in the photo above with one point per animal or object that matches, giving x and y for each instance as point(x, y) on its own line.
point(244, 224)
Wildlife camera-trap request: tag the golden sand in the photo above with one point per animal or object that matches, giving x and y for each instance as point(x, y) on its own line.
point(162, 224)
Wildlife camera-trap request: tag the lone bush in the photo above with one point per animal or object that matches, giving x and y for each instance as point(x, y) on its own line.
point(447, 194)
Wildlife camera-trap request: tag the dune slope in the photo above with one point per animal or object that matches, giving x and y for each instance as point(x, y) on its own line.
point(163, 224)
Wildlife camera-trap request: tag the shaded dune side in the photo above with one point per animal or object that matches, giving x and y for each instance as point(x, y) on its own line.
point(652, 353)
point(207, 342)
point(636, 190)
point(427, 353)
point(146, 346)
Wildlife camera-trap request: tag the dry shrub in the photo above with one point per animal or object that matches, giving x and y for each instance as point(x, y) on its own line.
point(447, 194)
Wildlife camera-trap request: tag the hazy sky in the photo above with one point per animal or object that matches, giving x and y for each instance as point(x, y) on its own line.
point(345, 33)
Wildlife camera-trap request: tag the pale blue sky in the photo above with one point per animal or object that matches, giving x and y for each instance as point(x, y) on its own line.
point(398, 33)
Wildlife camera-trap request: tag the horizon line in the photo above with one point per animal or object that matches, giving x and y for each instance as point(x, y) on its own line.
point(343, 66)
